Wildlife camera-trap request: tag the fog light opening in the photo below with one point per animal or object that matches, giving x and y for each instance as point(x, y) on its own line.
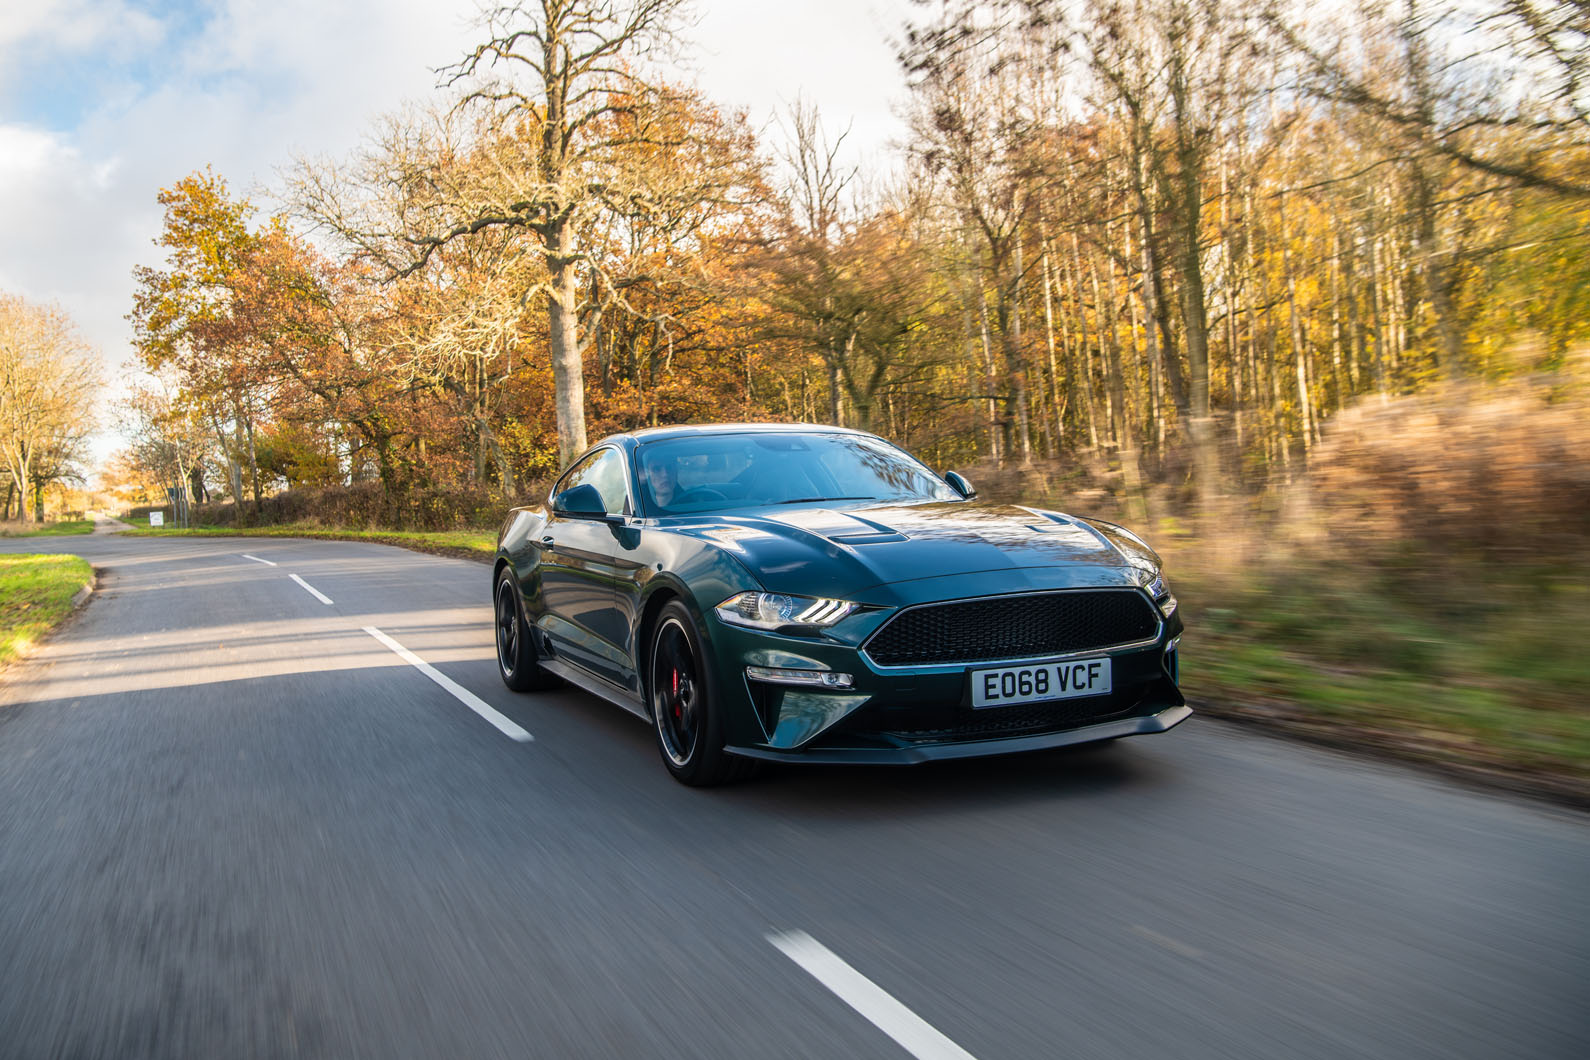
point(804, 678)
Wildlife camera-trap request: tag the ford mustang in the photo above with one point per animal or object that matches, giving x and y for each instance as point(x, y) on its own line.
point(798, 593)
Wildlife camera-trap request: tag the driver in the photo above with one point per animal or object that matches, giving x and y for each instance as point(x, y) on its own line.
point(661, 477)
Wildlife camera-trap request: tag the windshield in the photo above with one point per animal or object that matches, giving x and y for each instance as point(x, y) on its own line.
point(707, 473)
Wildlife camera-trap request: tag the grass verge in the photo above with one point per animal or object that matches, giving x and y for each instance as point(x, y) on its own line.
point(463, 544)
point(1480, 673)
point(35, 595)
point(61, 529)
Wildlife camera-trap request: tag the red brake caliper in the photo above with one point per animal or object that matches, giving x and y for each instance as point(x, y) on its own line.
point(676, 693)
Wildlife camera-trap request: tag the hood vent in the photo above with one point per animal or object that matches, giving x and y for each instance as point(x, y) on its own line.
point(876, 538)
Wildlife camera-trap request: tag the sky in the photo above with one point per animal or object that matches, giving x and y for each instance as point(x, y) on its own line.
point(103, 102)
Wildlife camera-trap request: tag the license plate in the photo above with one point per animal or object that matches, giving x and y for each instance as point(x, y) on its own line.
point(1011, 685)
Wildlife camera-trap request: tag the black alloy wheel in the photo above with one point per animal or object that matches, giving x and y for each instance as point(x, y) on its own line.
point(517, 661)
point(684, 705)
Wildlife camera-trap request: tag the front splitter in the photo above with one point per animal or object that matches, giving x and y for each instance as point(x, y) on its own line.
point(913, 754)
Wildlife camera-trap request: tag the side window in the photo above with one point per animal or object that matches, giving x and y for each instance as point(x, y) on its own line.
point(604, 470)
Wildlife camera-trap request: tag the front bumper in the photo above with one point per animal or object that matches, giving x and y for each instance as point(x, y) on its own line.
point(886, 750)
point(904, 715)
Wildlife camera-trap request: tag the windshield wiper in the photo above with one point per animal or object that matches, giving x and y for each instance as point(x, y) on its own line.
point(813, 500)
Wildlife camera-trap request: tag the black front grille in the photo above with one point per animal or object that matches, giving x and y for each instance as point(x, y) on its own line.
point(1024, 626)
point(1030, 720)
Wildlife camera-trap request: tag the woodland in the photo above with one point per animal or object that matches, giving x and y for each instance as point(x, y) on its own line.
point(1158, 242)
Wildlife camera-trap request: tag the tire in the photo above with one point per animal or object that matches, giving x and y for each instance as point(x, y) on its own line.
point(517, 661)
point(686, 710)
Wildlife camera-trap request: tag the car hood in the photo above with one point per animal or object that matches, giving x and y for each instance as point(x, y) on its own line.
point(827, 551)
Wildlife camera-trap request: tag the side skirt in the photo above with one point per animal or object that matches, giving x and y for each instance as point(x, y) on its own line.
point(600, 686)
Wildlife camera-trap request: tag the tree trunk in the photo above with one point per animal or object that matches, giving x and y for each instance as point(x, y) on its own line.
point(985, 348)
point(1155, 302)
point(1437, 276)
point(488, 439)
point(1054, 373)
point(1155, 416)
point(1195, 323)
point(1377, 307)
point(835, 413)
point(563, 339)
point(21, 465)
point(253, 461)
point(1125, 431)
point(1074, 278)
point(1016, 356)
point(1233, 344)
point(1355, 325)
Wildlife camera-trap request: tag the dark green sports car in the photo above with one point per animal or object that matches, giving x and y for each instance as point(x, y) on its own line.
point(815, 594)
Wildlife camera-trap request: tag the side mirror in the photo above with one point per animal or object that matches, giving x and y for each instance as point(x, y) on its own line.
point(582, 500)
point(959, 484)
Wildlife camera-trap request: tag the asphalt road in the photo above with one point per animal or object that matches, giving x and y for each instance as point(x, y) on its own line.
point(235, 824)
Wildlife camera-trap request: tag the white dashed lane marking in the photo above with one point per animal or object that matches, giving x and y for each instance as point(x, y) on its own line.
point(914, 1034)
point(316, 593)
point(462, 694)
point(256, 559)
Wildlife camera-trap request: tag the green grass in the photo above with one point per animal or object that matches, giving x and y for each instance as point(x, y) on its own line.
point(464, 542)
point(1484, 667)
point(35, 594)
point(69, 526)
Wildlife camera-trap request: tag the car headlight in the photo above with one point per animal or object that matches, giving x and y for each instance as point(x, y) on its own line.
point(1159, 589)
point(774, 610)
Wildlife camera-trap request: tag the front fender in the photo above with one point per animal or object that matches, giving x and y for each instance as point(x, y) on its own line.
point(699, 575)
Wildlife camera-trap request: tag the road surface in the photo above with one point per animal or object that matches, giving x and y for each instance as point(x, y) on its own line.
point(234, 823)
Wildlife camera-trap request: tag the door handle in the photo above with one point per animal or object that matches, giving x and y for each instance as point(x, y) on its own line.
point(548, 545)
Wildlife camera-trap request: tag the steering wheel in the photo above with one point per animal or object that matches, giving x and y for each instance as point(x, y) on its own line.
point(700, 493)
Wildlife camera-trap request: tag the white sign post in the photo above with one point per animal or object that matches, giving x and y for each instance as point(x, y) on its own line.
point(157, 518)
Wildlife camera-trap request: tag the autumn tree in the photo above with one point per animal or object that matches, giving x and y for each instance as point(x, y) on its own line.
point(205, 236)
point(322, 336)
point(49, 379)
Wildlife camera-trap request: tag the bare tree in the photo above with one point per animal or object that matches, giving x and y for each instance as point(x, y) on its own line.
point(974, 129)
point(558, 104)
point(168, 437)
point(1501, 87)
point(48, 382)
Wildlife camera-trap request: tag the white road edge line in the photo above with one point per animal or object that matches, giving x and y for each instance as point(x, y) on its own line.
point(256, 559)
point(462, 694)
point(316, 593)
point(911, 1031)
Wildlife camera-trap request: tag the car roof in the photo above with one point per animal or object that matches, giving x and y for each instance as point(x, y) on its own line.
point(697, 430)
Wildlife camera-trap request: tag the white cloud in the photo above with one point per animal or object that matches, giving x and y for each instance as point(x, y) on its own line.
point(835, 53)
point(255, 85)
point(75, 25)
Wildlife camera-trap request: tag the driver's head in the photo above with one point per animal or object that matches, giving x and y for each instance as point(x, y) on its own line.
point(660, 476)
point(657, 467)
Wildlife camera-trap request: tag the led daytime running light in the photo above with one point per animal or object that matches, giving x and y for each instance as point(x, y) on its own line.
point(777, 675)
point(772, 610)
